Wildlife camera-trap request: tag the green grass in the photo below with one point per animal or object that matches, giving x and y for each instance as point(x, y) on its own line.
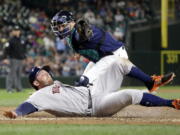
point(170, 87)
point(13, 99)
point(164, 92)
point(161, 88)
point(169, 95)
point(89, 129)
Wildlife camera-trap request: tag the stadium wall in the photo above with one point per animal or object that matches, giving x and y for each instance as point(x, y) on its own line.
point(149, 39)
point(150, 62)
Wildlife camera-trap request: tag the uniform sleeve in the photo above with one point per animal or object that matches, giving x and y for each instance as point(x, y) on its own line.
point(25, 108)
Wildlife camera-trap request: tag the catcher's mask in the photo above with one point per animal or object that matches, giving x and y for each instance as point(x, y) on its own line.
point(33, 74)
point(62, 19)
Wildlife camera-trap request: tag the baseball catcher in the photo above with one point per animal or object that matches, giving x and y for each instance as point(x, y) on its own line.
point(94, 43)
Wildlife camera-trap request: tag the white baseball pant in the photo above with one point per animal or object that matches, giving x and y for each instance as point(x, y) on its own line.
point(106, 98)
point(121, 52)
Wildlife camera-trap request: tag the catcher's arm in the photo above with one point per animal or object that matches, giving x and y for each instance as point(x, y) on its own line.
point(23, 109)
point(84, 29)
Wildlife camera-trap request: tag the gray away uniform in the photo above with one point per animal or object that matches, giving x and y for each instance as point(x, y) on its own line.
point(102, 99)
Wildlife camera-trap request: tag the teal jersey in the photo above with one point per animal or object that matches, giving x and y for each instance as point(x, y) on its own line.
point(93, 54)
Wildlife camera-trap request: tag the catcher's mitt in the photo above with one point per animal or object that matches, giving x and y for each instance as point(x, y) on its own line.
point(10, 114)
point(84, 29)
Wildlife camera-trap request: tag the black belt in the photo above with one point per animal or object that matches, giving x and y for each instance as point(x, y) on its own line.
point(89, 105)
point(90, 100)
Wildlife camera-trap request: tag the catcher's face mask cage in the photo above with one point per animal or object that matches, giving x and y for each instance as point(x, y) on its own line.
point(60, 24)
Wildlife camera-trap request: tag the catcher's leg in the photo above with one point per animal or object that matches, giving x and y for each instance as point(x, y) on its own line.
point(92, 71)
point(121, 52)
point(88, 67)
point(109, 79)
point(85, 79)
point(152, 82)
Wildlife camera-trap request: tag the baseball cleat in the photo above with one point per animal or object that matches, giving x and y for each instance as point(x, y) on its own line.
point(161, 80)
point(176, 104)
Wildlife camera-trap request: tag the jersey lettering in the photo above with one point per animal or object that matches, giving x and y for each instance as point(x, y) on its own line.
point(55, 89)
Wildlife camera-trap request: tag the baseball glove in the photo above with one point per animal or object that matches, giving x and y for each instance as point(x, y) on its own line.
point(84, 29)
point(10, 114)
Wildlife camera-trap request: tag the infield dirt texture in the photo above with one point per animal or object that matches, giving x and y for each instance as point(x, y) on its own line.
point(133, 114)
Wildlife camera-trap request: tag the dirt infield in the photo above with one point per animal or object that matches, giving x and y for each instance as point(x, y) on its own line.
point(133, 114)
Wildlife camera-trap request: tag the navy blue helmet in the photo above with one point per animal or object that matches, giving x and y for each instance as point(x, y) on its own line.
point(33, 74)
point(62, 18)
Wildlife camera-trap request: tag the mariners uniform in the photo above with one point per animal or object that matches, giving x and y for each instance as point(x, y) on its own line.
point(98, 46)
point(94, 43)
point(101, 99)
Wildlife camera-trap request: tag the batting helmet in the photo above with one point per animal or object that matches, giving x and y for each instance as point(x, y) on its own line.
point(33, 74)
point(62, 17)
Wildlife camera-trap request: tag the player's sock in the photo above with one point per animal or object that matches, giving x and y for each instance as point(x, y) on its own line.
point(152, 100)
point(140, 75)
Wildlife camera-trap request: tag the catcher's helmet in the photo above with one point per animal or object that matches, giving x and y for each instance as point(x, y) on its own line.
point(62, 17)
point(33, 74)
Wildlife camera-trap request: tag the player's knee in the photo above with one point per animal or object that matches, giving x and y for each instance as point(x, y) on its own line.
point(134, 96)
point(125, 64)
